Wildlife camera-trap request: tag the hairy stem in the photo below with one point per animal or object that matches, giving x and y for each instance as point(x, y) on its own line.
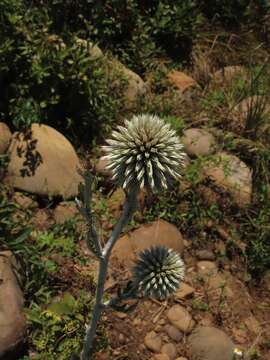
point(129, 208)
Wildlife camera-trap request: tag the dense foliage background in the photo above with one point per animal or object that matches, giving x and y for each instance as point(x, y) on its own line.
point(46, 76)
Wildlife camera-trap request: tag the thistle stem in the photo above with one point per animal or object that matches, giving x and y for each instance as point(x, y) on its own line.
point(129, 208)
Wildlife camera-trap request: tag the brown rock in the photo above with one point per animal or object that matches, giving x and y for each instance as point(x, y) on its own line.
point(159, 232)
point(217, 285)
point(181, 358)
point(248, 104)
point(43, 162)
point(5, 137)
point(198, 142)
point(169, 350)
point(253, 324)
point(181, 81)
point(184, 291)
point(173, 332)
point(100, 168)
point(231, 174)
point(206, 268)
point(12, 320)
point(226, 75)
point(205, 255)
point(64, 211)
point(134, 86)
point(161, 357)
point(209, 343)
point(180, 318)
point(153, 341)
point(24, 201)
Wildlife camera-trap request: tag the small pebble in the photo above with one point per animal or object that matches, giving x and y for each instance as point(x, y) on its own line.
point(169, 350)
point(173, 332)
point(205, 255)
point(153, 341)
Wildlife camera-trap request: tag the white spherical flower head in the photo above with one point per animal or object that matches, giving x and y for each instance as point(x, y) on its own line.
point(146, 152)
point(158, 272)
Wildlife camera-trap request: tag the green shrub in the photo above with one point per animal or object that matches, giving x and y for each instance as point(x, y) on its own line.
point(135, 30)
point(233, 12)
point(48, 79)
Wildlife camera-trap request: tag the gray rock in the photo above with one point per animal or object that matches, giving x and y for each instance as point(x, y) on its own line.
point(209, 343)
point(12, 320)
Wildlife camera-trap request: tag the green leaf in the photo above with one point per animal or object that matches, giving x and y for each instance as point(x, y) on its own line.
point(65, 306)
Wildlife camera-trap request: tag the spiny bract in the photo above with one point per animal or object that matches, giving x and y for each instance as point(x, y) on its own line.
point(158, 272)
point(146, 152)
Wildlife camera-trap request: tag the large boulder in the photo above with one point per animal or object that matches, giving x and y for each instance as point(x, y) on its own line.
point(209, 343)
point(159, 232)
point(5, 136)
point(43, 162)
point(231, 174)
point(12, 320)
point(134, 84)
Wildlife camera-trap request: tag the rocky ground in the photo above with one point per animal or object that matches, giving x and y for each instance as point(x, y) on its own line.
point(215, 313)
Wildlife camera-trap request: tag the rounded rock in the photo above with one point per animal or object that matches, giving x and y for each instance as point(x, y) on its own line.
point(159, 232)
point(173, 332)
point(205, 255)
point(5, 137)
point(232, 175)
point(209, 343)
point(153, 341)
point(180, 318)
point(43, 162)
point(169, 350)
point(198, 142)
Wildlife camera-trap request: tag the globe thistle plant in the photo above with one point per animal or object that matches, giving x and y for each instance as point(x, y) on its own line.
point(158, 272)
point(146, 152)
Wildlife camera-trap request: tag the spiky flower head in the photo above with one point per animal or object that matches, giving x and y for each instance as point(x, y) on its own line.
point(158, 272)
point(146, 152)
